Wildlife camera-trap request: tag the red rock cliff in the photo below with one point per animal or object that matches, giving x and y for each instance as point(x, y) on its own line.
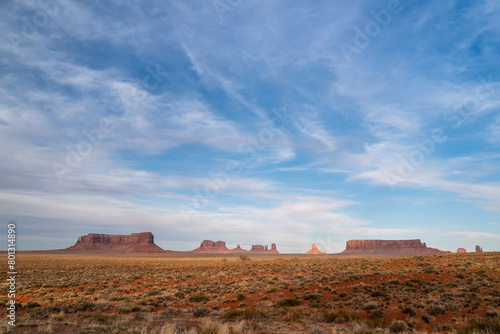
point(395, 247)
point(135, 242)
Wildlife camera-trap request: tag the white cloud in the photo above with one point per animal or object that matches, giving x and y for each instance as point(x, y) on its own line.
point(309, 124)
point(221, 179)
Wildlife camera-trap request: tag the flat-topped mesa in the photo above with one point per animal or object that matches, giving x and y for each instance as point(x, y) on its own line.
point(384, 244)
point(258, 248)
point(212, 246)
point(395, 247)
point(133, 243)
point(134, 238)
point(264, 249)
point(461, 250)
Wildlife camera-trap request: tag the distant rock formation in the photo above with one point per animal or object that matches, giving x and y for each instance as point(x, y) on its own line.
point(461, 250)
point(264, 249)
point(258, 248)
point(211, 246)
point(314, 250)
point(392, 247)
point(220, 246)
point(238, 249)
point(479, 249)
point(110, 243)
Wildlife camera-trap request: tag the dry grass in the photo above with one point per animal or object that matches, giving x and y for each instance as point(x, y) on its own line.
point(66, 293)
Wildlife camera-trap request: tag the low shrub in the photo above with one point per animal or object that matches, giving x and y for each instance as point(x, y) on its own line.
point(370, 305)
point(375, 314)
point(482, 325)
point(378, 294)
point(398, 327)
point(442, 327)
point(293, 316)
point(436, 310)
point(288, 302)
point(98, 318)
point(86, 306)
point(124, 310)
point(492, 313)
point(377, 323)
point(339, 317)
point(312, 296)
point(408, 310)
point(32, 305)
point(201, 312)
point(246, 314)
point(198, 297)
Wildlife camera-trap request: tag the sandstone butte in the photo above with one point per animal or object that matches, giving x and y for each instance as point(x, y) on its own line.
point(212, 246)
point(109, 243)
point(390, 247)
point(220, 247)
point(314, 250)
point(264, 249)
point(479, 249)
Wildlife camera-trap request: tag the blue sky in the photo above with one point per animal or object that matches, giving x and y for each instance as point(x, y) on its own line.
point(252, 122)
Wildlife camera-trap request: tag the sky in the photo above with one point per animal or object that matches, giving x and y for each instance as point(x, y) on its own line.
point(253, 122)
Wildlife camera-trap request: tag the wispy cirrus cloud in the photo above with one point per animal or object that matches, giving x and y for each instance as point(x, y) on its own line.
point(324, 144)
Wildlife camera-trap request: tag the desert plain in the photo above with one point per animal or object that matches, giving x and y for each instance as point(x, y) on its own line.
point(255, 293)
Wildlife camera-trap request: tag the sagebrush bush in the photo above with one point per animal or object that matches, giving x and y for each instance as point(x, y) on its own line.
point(288, 302)
point(370, 305)
point(198, 297)
point(375, 314)
point(398, 327)
point(340, 316)
point(201, 312)
point(247, 314)
point(86, 306)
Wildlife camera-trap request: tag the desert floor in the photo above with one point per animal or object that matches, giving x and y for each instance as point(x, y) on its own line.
point(84, 293)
